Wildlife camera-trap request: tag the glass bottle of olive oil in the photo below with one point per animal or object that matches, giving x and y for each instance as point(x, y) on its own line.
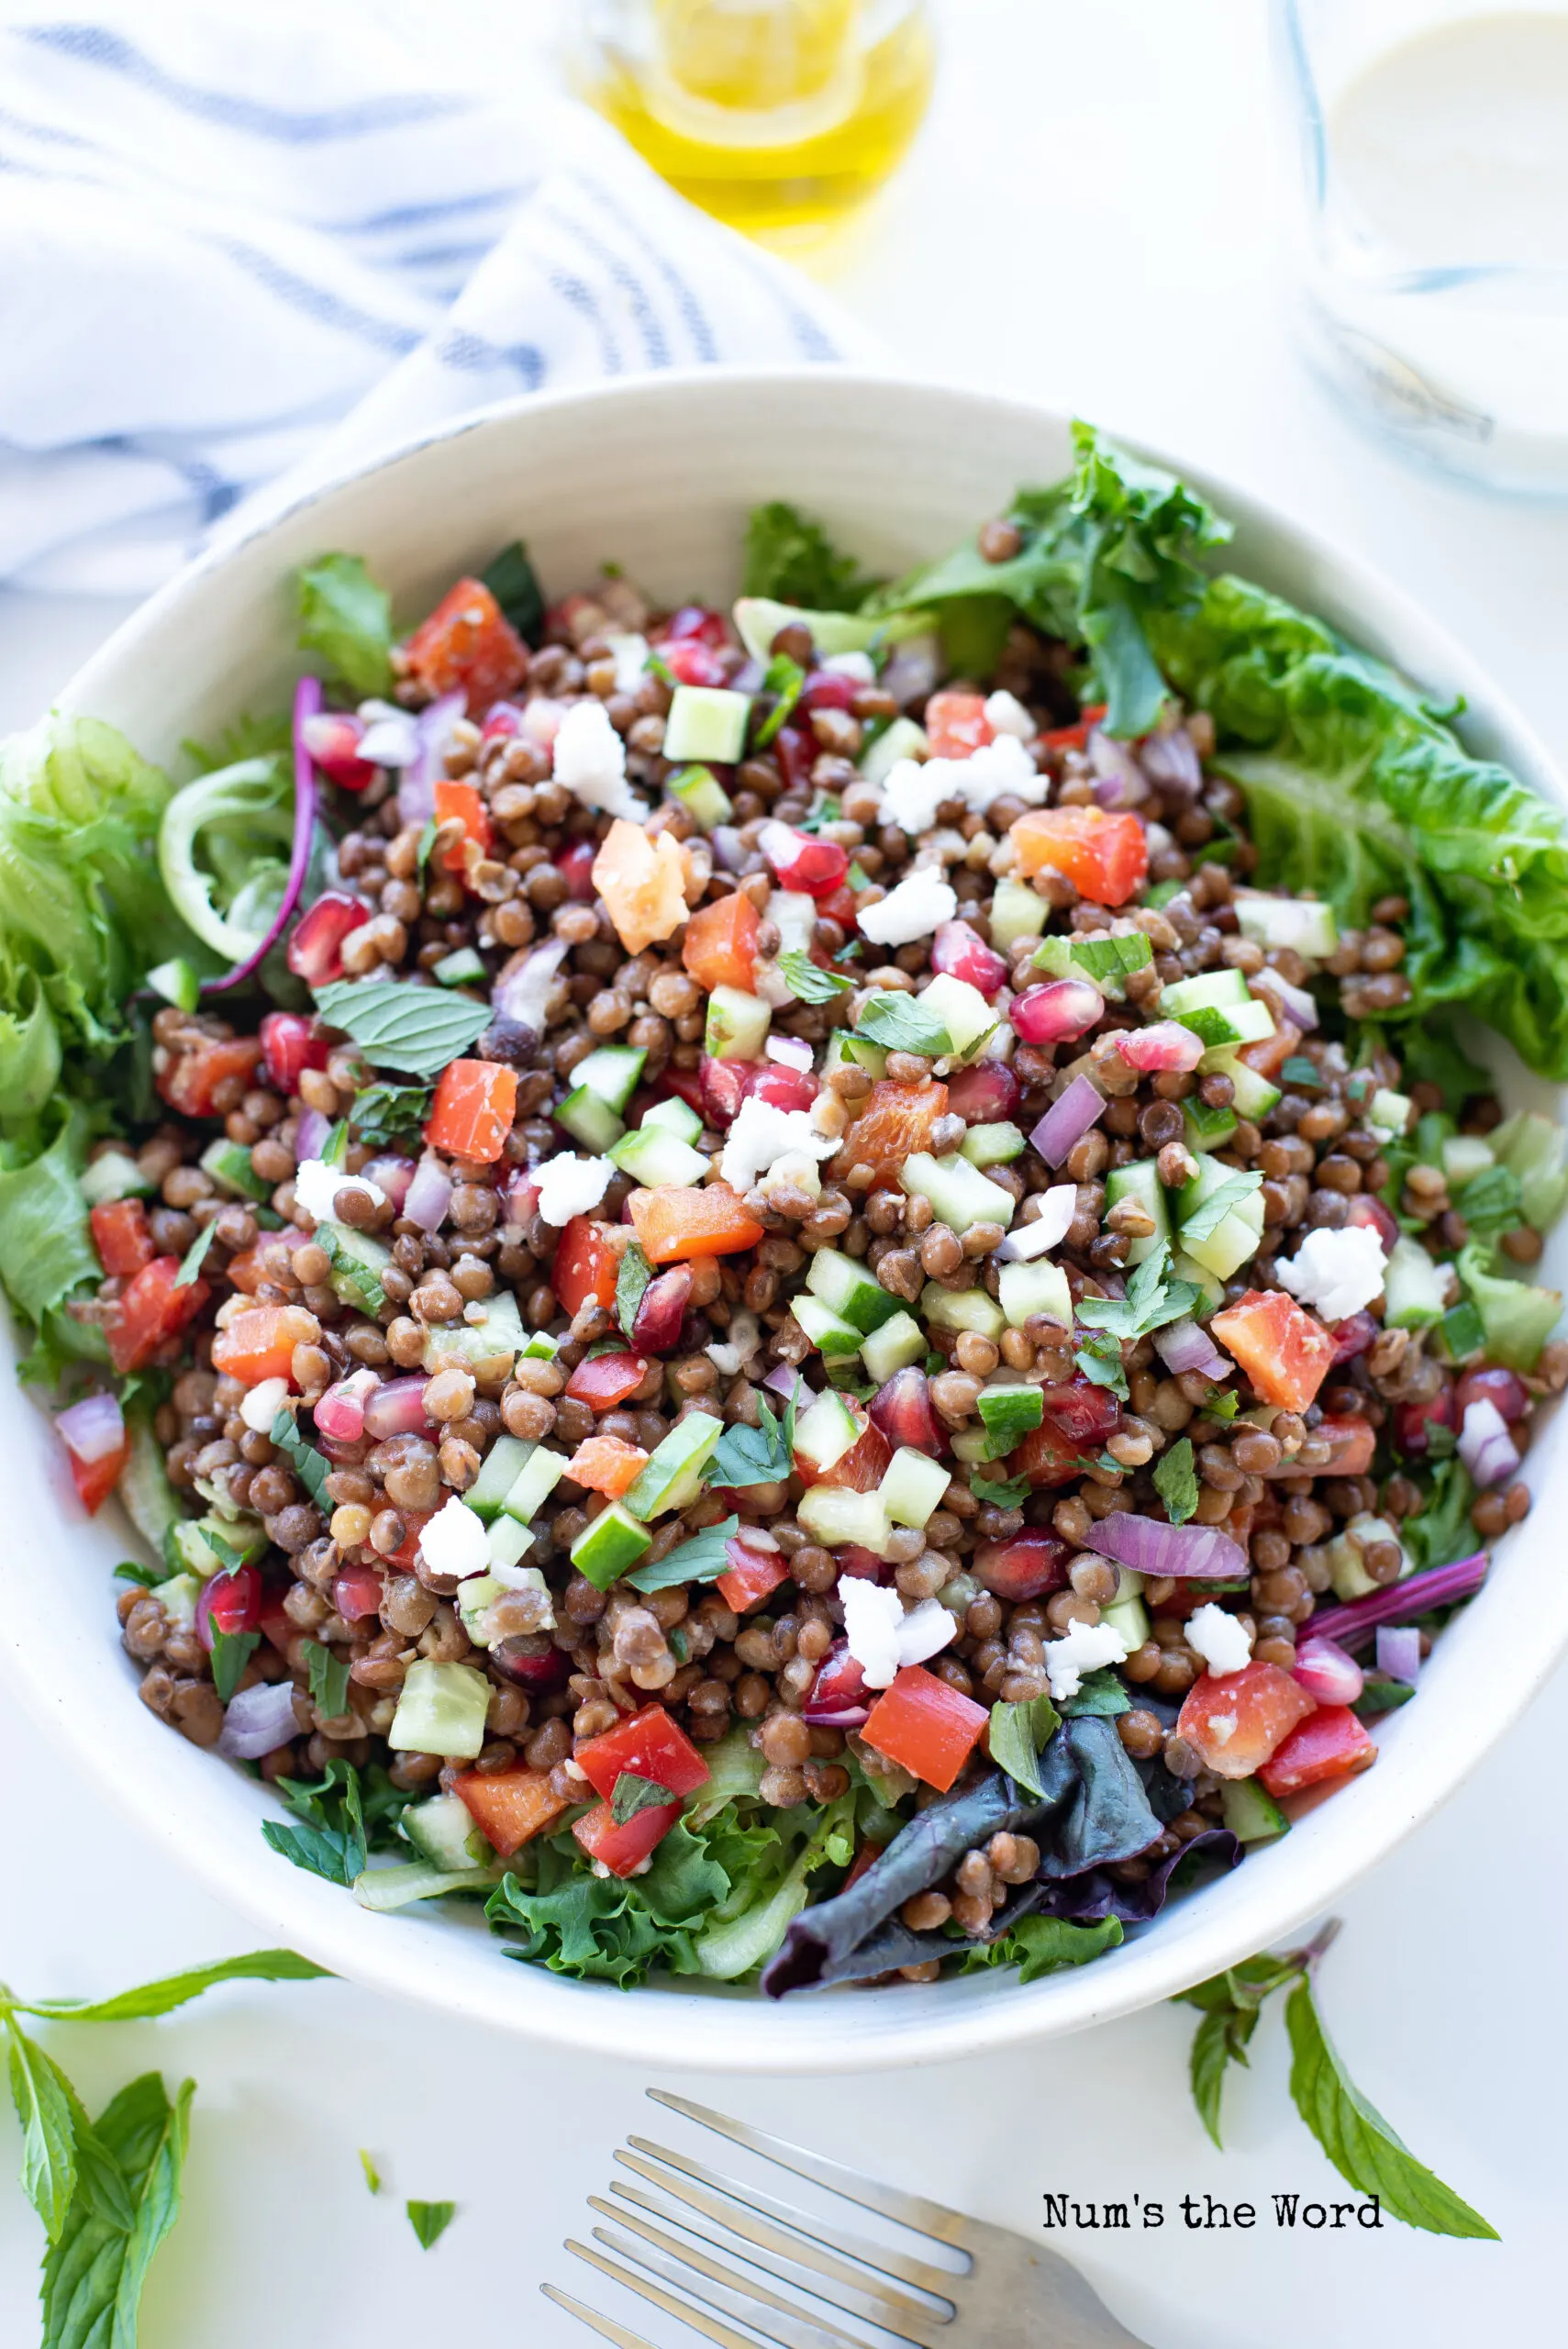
point(775, 114)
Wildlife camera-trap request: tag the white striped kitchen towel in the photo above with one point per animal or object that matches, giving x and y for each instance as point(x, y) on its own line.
point(244, 244)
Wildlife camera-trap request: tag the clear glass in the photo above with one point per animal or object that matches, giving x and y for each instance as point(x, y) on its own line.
point(774, 115)
point(1434, 154)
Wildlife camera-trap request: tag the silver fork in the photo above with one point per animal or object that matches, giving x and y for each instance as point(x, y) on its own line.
point(1011, 2294)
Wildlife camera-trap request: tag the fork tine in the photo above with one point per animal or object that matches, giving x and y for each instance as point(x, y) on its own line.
point(816, 2230)
point(889, 2314)
point(908, 2209)
point(723, 2336)
point(765, 2313)
point(605, 2326)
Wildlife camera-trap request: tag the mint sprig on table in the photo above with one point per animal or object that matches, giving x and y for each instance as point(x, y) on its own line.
point(1351, 2131)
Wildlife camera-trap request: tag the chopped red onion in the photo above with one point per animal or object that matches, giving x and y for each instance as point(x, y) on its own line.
point(392, 1174)
point(729, 850)
point(429, 1195)
point(1183, 1346)
point(1328, 1672)
point(310, 1135)
point(912, 669)
point(522, 1196)
point(390, 739)
point(1486, 1448)
point(1399, 1651)
point(1189, 1552)
point(1297, 1004)
point(259, 1720)
point(1049, 1228)
point(1165, 1046)
point(433, 727)
point(788, 1381)
point(398, 1408)
point(1121, 781)
point(521, 992)
point(1438, 1586)
point(93, 1429)
point(1170, 762)
point(306, 703)
point(340, 1413)
point(1068, 1119)
point(792, 1051)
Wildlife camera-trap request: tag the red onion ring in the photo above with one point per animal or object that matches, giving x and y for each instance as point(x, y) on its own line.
point(306, 703)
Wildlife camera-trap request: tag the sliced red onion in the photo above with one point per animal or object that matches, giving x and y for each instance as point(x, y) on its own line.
point(1486, 1448)
point(1183, 1346)
point(729, 850)
point(1121, 781)
point(1049, 1228)
point(340, 1413)
point(391, 1174)
point(258, 1721)
point(1068, 1119)
point(1189, 1552)
point(433, 727)
point(391, 738)
point(310, 1135)
point(786, 1381)
point(1300, 1007)
point(912, 669)
point(792, 1051)
point(306, 703)
point(1165, 1046)
point(93, 1429)
point(397, 1407)
point(835, 1717)
point(1438, 1586)
point(523, 989)
point(1170, 762)
point(1399, 1651)
point(1328, 1672)
point(429, 1195)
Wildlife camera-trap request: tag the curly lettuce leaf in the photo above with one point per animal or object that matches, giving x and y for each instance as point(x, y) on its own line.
point(791, 559)
point(46, 1248)
point(345, 622)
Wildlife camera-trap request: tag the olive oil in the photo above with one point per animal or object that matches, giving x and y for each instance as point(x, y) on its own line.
point(774, 115)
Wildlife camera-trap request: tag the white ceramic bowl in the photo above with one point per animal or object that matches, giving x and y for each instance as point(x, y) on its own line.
point(659, 475)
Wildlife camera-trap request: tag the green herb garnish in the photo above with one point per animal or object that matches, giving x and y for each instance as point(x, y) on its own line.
point(785, 678)
point(1154, 1297)
point(430, 2220)
point(806, 980)
point(373, 2175)
point(759, 1455)
point(398, 1025)
point(1018, 1736)
point(1099, 1359)
point(794, 560)
point(632, 1278)
point(196, 1254)
point(345, 619)
point(1006, 1495)
point(511, 580)
point(634, 1793)
point(309, 1465)
point(1206, 1219)
point(231, 1651)
point(703, 1559)
point(1175, 1481)
point(328, 1680)
point(384, 1114)
point(900, 1024)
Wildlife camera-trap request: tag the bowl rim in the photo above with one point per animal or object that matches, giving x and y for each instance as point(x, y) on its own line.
point(738, 2032)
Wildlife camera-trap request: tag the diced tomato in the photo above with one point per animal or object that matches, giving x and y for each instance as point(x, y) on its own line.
point(191, 1078)
point(357, 1592)
point(751, 1575)
point(509, 1807)
point(121, 1237)
point(895, 1122)
point(275, 1624)
point(1102, 851)
point(623, 1849)
point(260, 1342)
point(1075, 737)
point(576, 864)
point(1332, 1744)
point(674, 1224)
point(291, 1045)
point(644, 883)
point(315, 944)
point(1047, 1457)
point(149, 1311)
point(604, 1464)
point(95, 1479)
point(475, 1103)
point(650, 1744)
point(606, 1380)
point(957, 726)
point(720, 946)
point(1284, 1353)
point(461, 800)
point(586, 1266)
point(1270, 1053)
point(1236, 1720)
point(271, 1259)
point(1353, 1441)
point(926, 1727)
point(468, 643)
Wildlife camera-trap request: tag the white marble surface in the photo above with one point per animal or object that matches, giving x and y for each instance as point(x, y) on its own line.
point(1091, 219)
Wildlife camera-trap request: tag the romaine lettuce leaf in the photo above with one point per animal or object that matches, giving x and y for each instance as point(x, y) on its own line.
point(46, 1248)
point(345, 622)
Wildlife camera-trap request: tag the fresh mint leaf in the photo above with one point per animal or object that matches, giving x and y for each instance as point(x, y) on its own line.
point(1206, 1219)
point(356, 1276)
point(328, 1680)
point(92, 2276)
point(1006, 1495)
point(1099, 1359)
point(785, 678)
point(806, 981)
point(511, 580)
point(901, 1024)
point(794, 560)
point(310, 1466)
point(1298, 1071)
point(151, 2000)
point(345, 619)
point(633, 1277)
point(129, 1571)
point(373, 2175)
point(196, 1254)
point(231, 1651)
point(1175, 1481)
point(384, 1114)
point(1224, 1405)
point(400, 1026)
point(1019, 1735)
point(228, 1557)
point(1220, 2039)
point(1112, 958)
point(50, 2115)
point(1491, 1202)
point(331, 1840)
point(1154, 1297)
point(634, 1793)
point(759, 1455)
point(1100, 1694)
point(430, 2220)
point(703, 1559)
point(426, 843)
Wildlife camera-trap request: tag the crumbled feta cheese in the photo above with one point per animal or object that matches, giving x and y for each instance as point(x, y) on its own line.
point(454, 1541)
point(1027, 1241)
point(629, 654)
point(571, 1186)
point(760, 1134)
point(858, 665)
point(1005, 714)
point(912, 910)
point(263, 1403)
point(925, 1631)
point(1220, 1638)
point(745, 1337)
point(912, 791)
point(1084, 1647)
point(316, 1186)
point(1339, 1272)
point(793, 1172)
point(590, 760)
point(873, 1619)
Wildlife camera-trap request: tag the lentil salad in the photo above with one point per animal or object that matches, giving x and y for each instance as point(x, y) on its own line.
point(820, 1323)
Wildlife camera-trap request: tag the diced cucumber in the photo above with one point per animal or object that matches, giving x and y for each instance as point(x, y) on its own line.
point(654, 1155)
point(178, 1597)
point(1465, 1156)
point(509, 1543)
point(913, 1486)
point(832, 1515)
point(674, 1116)
point(535, 1481)
point(1252, 1816)
point(1015, 912)
point(855, 1295)
point(443, 1831)
point(1008, 1410)
point(194, 1552)
point(832, 1337)
point(1533, 1148)
point(604, 1550)
point(963, 1012)
point(1414, 1289)
point(972, 1445)
point(796, 915)
point(1223, 1028)
point(897, 1344)
point(966, 1308)
point(825, 1430)
point(228, 1164)
point(1039, 1287)
point(706, 722)
point(1234, 1241)
point(1185, 1269)
point(115, 1176)
point(1346, 1571)
point(995, 1145)
point(1460, 1337)
point(759, 618)
point(499, 1331)
point(1390, 1114)
point(459, 969)
point(902, 740)
point(702, 796)
point(144, 1489)
point(1141, 1183)
point(498, 1472)
point(1518, 1317)
point(960, 1194)
point(177, 982)
point(1304, 924)
point(737, 1025)
point(1252, 1096)
point(1206, 1128)
point(1129, 1616)
point(589, 1120)
point(613, 1071)
point(440, 1709)
point(1054, 956)
point(1211, 991)
point(357, 1262)
point(673, 1474)
point(872, 1057)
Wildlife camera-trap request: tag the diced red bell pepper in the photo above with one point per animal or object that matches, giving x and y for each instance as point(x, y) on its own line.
point(191, 1078)
point(604, 1464)
point(1284, 1351)
point(605, 1380)
point(1075, 737)
point(623, 1849)
point(1270, 1053)
point(956, 725)
point(586, 1266)
point(1103, 852)
point(509, 1807)
point(1236, 1719)
point(291, 1045)
point(149, 1311)
point(650, 1744)
point(468, 643)
point(751, 1575)
point(926, 1727)
point(894, 1122)
point(461, 799)
point(121, 1237)
point(260, 1341)
point(720, 945)
point(475, 1103)
point(1332, 1744)
point(677, 1224)
point(95, 1479)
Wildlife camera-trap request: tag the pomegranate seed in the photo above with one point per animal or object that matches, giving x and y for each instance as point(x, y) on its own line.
point(332, 739)
point(533, 1663)
point(230, 1602)
point(1354, 1336)
point(661, 1310)
point(1025, 1567)
point(315, 948)
point(825, 689)
point(290, 1044)
point(357, 1592)
point(692, 662)
point(1411, 1421)
point(801, 862)
point(1369, 1213)
point(902, 1409)
point(502, 723)
point(1057, 1014)
point(723, 1088)
point(862, 1565)
point(1492, 1385)
point(838, 1690)
point(1165, 1046)
point(1325, 1670)
point(576, 865)
point(959, 950)
point(785, 1088)
point(984, 1094)
point(699, 621)
point(1081, 1410)
point(838, 907)
point(795, 749)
